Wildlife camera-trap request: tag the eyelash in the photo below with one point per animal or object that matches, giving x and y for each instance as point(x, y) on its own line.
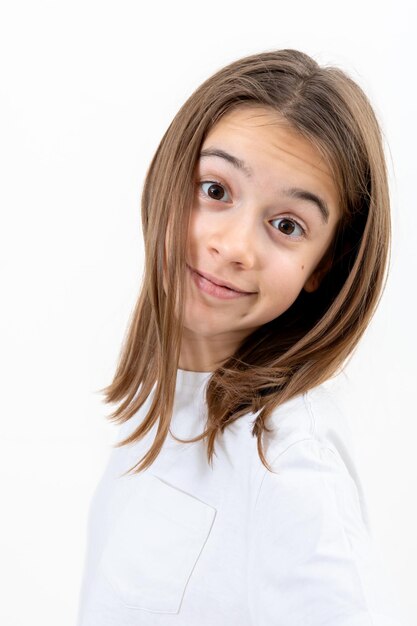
point(283, 217)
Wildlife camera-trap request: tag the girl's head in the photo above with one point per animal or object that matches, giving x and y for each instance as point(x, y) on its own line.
point(265, 213)
point(271, 178)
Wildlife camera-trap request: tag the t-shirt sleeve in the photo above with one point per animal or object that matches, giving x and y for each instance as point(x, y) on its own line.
point(311, 558)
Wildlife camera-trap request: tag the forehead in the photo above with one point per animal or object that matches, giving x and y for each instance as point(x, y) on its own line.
point(269, 147)
point(268, 133)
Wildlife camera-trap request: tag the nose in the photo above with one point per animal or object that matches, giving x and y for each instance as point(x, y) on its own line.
point(234, 240)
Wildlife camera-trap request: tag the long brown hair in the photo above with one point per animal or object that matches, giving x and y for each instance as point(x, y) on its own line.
point(310, 341)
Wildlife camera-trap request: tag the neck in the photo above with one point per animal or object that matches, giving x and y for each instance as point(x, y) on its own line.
point(204, 354)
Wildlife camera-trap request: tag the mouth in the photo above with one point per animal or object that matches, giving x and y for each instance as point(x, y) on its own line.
point(215, 286)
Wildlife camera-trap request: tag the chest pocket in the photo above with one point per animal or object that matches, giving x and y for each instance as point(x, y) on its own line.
point(154, 546)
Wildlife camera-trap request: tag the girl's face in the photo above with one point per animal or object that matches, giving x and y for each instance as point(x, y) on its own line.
point(264, 214)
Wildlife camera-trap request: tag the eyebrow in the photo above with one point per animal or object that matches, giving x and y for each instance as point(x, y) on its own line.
point(292, 192)
point(309, 196)
point(237, 163)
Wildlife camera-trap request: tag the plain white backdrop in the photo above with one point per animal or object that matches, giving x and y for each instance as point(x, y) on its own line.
point(87, 89)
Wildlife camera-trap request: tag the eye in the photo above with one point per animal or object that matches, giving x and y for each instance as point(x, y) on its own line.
point(215, 190)
point(288, 226)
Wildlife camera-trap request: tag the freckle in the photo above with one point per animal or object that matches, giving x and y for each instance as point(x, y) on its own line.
point(302, 267)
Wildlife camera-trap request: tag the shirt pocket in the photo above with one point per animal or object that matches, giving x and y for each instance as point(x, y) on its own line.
point(154, 546)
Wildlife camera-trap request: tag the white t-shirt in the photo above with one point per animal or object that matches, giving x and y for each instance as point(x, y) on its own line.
point(187, 544)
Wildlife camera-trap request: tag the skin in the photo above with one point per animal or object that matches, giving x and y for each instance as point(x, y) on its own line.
point(243, 231)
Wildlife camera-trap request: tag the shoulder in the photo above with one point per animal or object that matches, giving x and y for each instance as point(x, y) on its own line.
point(311, 554)
point(311, 442)
point(316, 416)
point(311, 551)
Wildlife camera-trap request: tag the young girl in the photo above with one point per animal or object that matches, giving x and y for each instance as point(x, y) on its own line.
point(232, 496)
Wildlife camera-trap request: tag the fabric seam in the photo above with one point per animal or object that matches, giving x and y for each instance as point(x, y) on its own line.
point(322, 447)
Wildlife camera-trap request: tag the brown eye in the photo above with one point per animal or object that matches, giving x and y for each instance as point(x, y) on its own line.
point(216, 191)
point(287, 227)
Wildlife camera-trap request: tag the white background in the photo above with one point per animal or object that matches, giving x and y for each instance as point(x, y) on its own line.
point(87, 90)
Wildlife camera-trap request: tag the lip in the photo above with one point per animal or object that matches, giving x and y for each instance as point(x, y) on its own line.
point(222, 284)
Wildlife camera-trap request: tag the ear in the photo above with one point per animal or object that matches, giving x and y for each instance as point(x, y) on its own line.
point(313, 281)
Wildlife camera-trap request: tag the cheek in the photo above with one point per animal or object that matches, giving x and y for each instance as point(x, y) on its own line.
point(283, 286)
point(197, 231)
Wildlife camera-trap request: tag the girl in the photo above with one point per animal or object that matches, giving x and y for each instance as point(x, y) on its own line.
point(232, 496)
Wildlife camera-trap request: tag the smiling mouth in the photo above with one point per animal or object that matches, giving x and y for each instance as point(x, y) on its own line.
point(213, 280)
point(211, 288)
